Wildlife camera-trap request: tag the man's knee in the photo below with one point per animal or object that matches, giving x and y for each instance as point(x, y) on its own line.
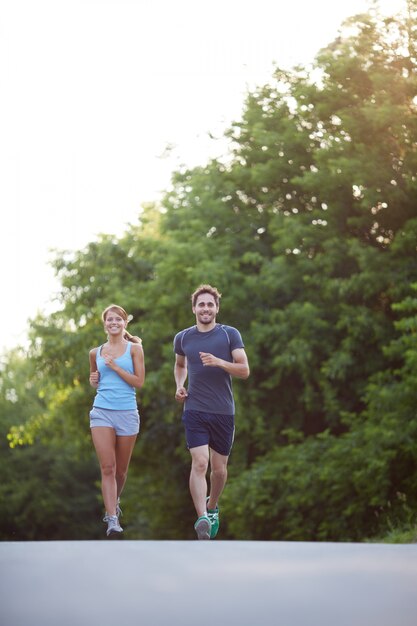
point(219, 472)
point(199, 463)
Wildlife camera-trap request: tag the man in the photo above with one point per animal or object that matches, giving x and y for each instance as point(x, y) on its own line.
point(209, 354)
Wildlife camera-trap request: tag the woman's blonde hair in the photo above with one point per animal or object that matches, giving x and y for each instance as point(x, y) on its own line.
point(118, 309)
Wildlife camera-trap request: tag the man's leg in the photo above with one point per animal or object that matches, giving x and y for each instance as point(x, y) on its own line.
point(218, 477)
point(198, 481)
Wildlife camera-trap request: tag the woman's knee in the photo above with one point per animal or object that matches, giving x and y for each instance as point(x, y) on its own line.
point(108, 469)
point(121, 475)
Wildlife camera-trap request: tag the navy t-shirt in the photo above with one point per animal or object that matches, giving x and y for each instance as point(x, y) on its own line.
point(209, 388)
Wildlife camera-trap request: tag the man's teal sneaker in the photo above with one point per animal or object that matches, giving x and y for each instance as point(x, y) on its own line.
point(213, 515)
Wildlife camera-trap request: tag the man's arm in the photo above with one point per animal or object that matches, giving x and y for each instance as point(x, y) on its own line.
point(239, 368)
point(180, 375)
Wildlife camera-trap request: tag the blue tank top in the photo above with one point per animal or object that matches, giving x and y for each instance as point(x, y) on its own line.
point(113, 392)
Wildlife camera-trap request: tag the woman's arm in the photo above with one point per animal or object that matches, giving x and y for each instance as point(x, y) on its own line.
point(94, 374)
point(138, 377)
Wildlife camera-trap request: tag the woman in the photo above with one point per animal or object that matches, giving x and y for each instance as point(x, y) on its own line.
point(117, 369)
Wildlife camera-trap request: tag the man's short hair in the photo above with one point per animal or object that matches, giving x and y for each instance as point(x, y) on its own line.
point(206, 289)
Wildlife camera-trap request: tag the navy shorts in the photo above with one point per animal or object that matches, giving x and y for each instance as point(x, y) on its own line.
point(212, 429)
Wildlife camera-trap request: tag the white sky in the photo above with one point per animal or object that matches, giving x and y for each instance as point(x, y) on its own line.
point(92, 92)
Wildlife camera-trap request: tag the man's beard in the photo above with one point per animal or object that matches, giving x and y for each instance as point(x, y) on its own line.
point(206, 322)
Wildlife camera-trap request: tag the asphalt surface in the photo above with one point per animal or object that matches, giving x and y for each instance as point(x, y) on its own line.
point(201, 583)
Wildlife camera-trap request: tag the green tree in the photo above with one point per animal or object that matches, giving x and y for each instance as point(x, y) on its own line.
point(308, 227)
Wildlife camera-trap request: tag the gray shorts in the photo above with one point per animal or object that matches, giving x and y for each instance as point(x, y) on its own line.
point(125, 423)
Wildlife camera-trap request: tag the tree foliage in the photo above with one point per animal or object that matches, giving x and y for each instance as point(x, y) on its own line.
point(309, 227)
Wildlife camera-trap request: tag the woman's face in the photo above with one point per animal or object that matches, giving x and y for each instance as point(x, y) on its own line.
point(114, 323)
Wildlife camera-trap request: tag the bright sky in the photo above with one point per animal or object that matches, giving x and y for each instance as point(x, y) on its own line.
point(93, 91)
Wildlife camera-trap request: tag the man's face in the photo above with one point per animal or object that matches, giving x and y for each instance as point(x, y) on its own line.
point(205, 309)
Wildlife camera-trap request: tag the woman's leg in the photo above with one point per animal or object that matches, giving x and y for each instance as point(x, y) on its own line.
point(124, 449)
point(104, 439)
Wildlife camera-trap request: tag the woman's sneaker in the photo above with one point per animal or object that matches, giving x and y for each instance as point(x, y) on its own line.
point(113, 526)
point(213, 515)
point(203, 527)
point(119, 511)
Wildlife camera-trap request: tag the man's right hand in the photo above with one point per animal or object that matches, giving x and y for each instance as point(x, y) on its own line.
point(181, 394)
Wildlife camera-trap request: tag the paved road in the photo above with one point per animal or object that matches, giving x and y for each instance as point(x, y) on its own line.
point(218, 583)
